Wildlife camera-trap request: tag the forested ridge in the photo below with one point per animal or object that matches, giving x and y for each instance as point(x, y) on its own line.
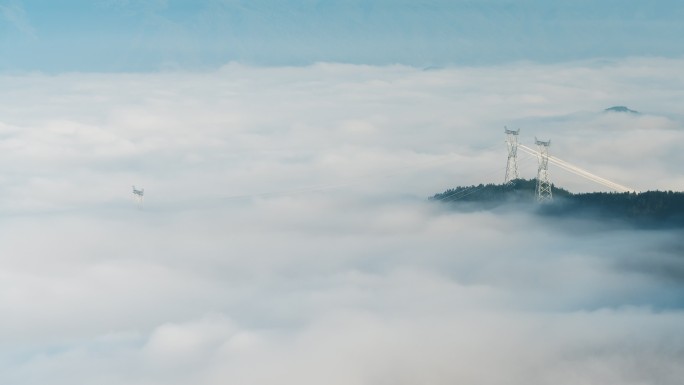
point(649, 208)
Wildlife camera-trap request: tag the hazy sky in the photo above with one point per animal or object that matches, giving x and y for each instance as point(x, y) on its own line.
point(148, 35)
point(287, 150)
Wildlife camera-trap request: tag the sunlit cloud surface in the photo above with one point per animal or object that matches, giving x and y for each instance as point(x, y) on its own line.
point(286, 238)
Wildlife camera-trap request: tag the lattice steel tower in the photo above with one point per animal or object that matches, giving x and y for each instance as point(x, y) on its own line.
point(138, 196)
point(543, 184)
point(512, 164)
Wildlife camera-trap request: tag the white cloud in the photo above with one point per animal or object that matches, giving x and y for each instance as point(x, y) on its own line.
point(285, 236)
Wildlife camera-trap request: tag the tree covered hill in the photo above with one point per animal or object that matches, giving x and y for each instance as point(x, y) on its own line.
point(650, 208)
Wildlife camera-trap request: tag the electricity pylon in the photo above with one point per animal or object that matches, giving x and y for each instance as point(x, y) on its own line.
point(543, 185)
point(138, 196)
point(512, 164)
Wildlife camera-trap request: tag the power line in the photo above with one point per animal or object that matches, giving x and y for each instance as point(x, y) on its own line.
point(580, 172)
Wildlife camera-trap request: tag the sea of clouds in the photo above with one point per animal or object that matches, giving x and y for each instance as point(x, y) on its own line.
point(286, 237)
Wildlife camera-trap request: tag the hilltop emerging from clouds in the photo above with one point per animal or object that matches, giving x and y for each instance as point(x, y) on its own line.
point(644, 209)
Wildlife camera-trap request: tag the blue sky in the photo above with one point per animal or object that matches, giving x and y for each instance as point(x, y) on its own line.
point(148, 35)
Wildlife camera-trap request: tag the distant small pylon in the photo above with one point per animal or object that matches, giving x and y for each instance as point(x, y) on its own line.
point(138, 196)
point(543, 185)
point(512, 145)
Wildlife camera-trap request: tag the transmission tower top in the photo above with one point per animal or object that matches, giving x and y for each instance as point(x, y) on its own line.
point(512, 132)
point(542, 143)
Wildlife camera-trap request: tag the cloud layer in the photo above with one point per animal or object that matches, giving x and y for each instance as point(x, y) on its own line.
point(285, 236)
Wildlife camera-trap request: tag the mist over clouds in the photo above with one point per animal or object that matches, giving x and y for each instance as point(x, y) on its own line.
point(286, 237)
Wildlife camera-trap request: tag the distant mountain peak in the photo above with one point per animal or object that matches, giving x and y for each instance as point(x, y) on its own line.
point(620, 109)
